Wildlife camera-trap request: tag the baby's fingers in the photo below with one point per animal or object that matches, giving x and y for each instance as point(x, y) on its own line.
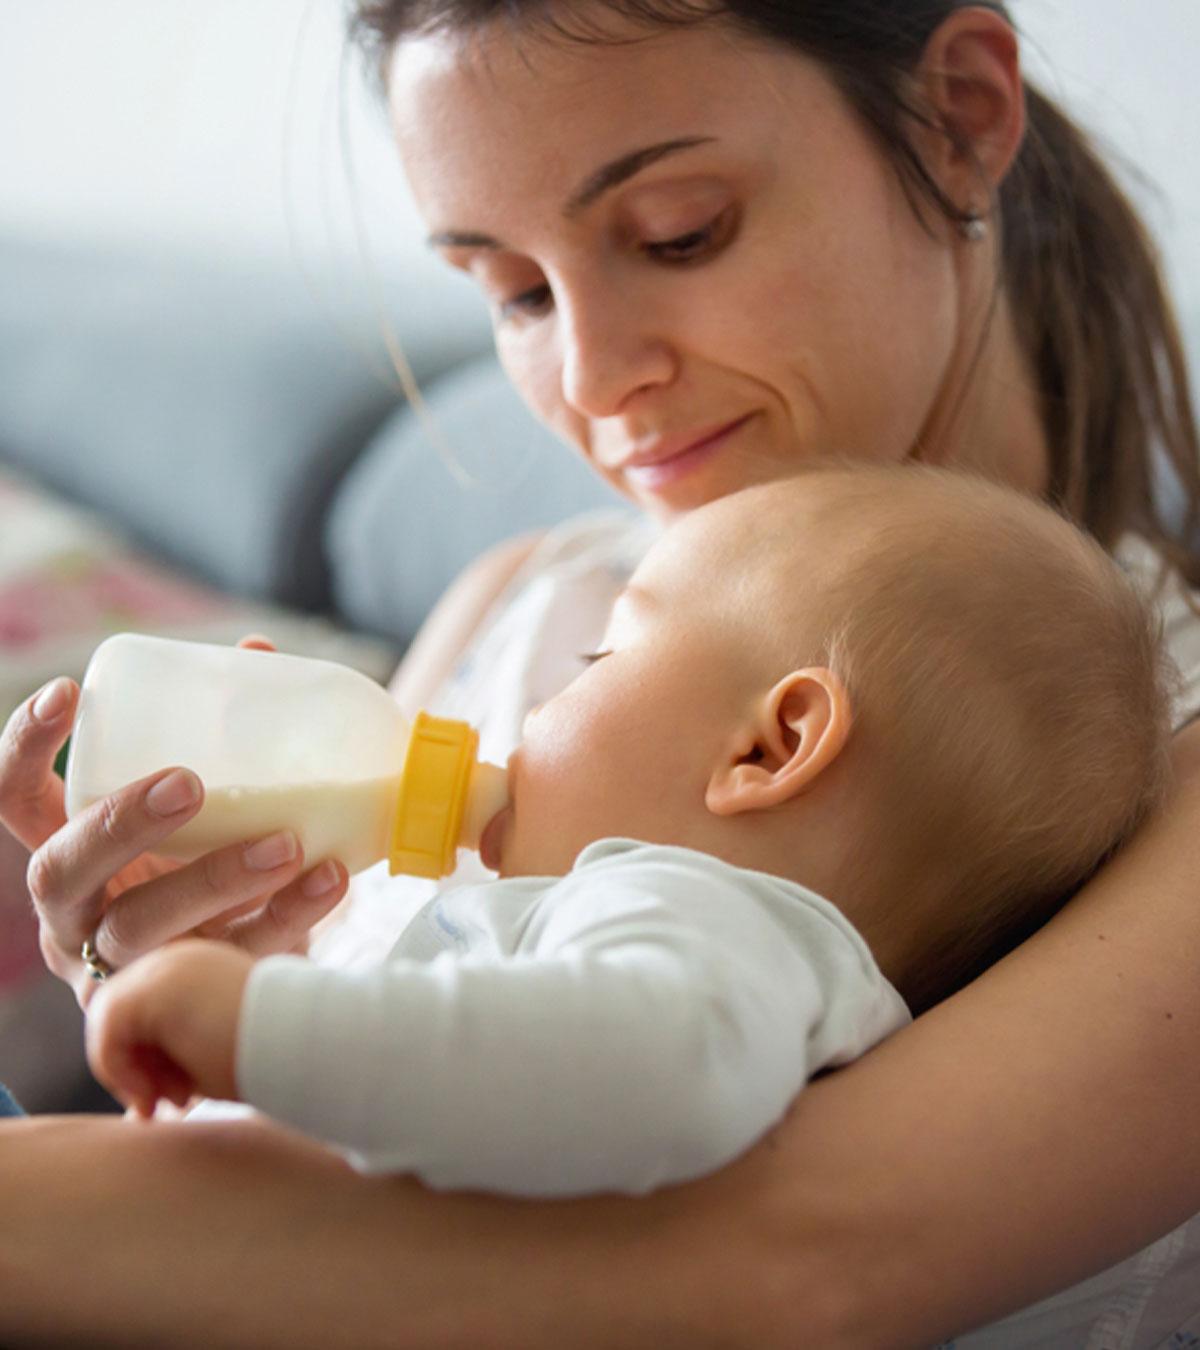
point(159, 1078)
point(113, 1042)
point(123, 1049)
point(284, 922)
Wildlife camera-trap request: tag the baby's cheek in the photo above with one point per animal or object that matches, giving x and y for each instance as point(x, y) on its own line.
point(564, 735)
point(567, 770)
point(537, 374)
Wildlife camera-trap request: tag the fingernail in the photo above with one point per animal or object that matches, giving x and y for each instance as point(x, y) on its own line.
point(320, 881)
point(178, 789)
point(52, 701)
point(273, 851)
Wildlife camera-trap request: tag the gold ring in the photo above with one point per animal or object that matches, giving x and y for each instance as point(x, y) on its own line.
point(97, 967)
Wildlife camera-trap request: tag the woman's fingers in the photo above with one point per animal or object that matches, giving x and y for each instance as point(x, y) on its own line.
point(31, 793)
point(70, 874)
point(284, 922)
point(199, 898)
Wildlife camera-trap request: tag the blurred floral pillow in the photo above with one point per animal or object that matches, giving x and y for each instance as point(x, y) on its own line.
point(67, 582)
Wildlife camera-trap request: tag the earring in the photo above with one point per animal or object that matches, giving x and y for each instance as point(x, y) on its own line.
point(972, 226)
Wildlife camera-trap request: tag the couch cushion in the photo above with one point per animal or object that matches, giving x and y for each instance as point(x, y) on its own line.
point(408, 518)
point(210, 409)
point(68, 581)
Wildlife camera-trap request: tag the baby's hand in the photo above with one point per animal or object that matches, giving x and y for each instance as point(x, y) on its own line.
point(166, 1026)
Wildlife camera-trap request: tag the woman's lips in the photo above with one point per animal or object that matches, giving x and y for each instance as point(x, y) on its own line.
point(652, 474)
point(492, 838)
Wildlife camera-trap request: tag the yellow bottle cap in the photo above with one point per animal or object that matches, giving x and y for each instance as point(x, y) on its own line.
point(433, 794)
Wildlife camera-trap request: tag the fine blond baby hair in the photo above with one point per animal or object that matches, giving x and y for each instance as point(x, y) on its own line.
point(1011, 690)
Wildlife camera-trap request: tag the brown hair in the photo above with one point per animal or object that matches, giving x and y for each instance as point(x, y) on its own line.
point(1087, 294)
point(1012, 705)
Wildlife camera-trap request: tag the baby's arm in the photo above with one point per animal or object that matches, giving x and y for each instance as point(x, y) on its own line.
point(166, 1026)
point(642, 1034)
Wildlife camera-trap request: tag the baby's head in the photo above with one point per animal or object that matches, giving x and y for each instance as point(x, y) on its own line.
point(918, 693)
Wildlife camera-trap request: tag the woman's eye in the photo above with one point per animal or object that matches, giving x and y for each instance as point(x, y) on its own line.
point(695, 244)
point(531, 303)
point(590, 658)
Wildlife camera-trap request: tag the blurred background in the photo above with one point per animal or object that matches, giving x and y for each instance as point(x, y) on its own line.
point(202, 230)
point(148, 121)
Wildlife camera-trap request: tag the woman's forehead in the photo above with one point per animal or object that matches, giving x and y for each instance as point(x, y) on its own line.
point(472, 109)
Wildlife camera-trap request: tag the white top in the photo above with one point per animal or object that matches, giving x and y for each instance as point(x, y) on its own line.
point(638, 1022)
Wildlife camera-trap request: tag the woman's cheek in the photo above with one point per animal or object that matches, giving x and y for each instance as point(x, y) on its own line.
point(524, 360)
point(534, 367)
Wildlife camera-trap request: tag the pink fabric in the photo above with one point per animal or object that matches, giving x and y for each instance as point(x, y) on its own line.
point(20, 959)
point(68, 581)
point(87, 594)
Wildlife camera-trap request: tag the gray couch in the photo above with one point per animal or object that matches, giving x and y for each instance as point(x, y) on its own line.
point(239, 422)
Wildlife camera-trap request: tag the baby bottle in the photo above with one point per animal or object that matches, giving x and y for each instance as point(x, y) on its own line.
point(281, 742)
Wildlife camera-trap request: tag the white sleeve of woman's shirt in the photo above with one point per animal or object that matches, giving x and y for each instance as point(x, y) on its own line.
point(652, 1022)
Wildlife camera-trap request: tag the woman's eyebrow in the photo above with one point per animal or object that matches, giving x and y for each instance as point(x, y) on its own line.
point(618, 171)
point(594, 186)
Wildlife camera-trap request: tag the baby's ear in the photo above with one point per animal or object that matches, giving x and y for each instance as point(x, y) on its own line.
point(796, 731)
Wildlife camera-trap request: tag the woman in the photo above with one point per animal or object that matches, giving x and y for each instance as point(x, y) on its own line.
point(716, 248)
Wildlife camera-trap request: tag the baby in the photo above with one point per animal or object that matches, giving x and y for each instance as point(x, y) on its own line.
point(848, 739)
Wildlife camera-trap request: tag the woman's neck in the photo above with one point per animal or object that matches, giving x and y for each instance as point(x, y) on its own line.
point(988, 417)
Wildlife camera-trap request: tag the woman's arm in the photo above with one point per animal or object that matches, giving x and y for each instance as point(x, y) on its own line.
point(1040, 1124)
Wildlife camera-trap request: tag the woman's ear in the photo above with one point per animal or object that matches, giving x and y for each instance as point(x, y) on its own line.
point(970, 81)
point(795, 733)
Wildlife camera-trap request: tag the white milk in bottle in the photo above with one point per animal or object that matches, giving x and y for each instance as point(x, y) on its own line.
point(281, 742)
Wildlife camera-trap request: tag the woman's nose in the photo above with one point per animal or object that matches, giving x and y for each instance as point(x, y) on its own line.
point(609, 355)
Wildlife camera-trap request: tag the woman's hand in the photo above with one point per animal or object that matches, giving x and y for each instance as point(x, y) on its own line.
point(167, 1026)
point(97, 876)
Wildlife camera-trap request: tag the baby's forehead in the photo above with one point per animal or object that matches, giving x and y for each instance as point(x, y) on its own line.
point(786, 546)
point(835, 509)
point(727, 567)
point(779, 523)
point(797, 552)
point(693, 554)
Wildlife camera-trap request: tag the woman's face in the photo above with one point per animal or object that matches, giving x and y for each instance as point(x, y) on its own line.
point(702, 271)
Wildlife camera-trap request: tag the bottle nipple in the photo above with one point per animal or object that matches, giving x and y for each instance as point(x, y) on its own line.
point(487, 795)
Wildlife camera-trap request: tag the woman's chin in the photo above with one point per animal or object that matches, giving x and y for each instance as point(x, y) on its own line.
point(666, 501)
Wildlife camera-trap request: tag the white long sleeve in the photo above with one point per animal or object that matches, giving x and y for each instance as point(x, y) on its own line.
point(638, 1022)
